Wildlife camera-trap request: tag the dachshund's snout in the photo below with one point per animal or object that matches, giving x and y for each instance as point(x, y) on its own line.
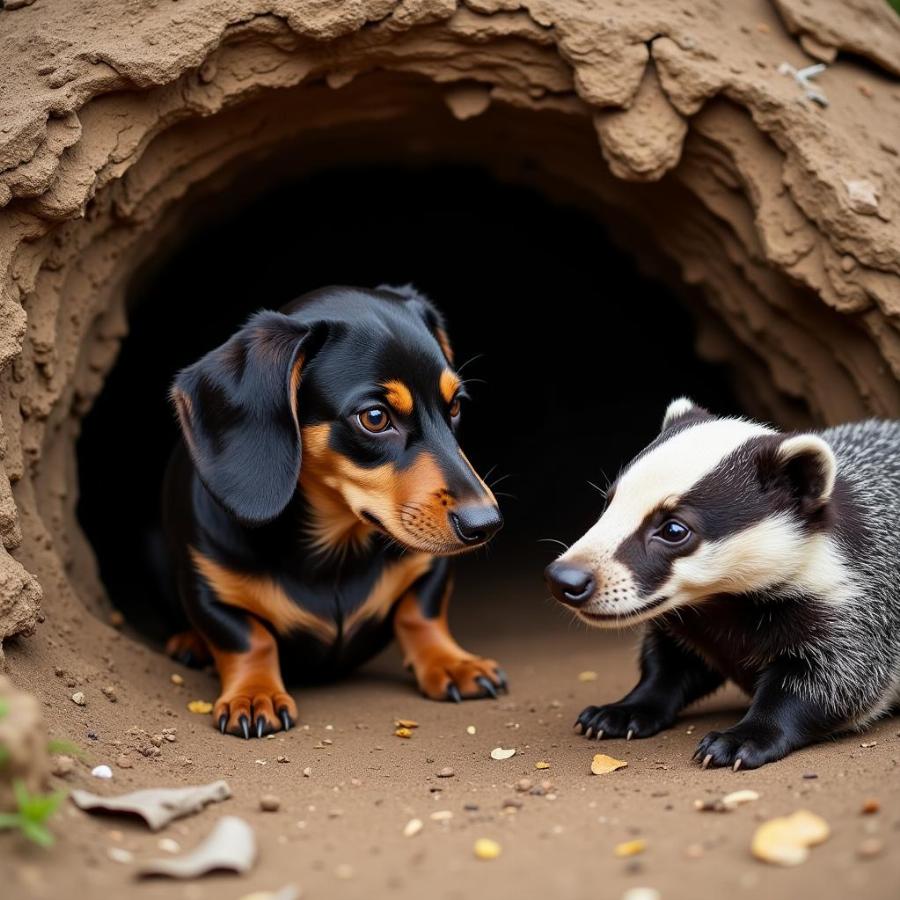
point(569, 583)
point(476, 524)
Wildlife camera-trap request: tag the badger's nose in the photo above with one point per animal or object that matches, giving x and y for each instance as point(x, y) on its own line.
point(570, 584)
point(476, 524)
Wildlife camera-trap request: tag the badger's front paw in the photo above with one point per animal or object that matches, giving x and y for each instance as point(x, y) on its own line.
point(744, 746)
point(627, 720)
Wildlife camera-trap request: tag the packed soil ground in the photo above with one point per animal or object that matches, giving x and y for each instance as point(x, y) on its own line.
point(338, 832)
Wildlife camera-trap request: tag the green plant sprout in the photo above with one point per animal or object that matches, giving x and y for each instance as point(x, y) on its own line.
point(33, 811)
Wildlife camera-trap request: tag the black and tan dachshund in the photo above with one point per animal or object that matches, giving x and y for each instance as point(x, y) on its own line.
point(313, 503)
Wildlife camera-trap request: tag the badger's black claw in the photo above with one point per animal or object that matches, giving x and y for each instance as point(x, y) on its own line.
point(261, 725)
point(223, 722)
point(487, 686)
point(502, 679)
point(454, 694)
point(244, 722)
point(623, 720)
point(744, 746)
point(285, 718)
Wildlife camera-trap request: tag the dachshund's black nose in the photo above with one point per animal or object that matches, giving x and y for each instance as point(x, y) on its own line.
point(476, 524)
point(570, 584)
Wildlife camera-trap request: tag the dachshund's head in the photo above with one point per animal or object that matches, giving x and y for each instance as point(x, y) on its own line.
point(350, 396)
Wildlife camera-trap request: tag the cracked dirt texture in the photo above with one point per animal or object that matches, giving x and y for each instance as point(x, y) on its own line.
point(119, 121)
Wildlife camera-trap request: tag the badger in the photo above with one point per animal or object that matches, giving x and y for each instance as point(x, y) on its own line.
point(768, 558)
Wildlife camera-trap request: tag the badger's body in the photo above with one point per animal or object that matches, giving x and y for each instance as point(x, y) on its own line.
point(771, 559)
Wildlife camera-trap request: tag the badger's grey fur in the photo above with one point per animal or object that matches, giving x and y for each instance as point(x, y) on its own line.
point(769, 558)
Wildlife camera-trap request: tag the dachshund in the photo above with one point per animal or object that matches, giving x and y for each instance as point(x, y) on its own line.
point(314, 499)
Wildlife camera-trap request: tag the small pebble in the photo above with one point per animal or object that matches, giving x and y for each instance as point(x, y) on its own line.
point(307, 772)
point(441, 815)
point(471, 807)
point(485, 848)
point(63, 765)
point(870, 848)
point(867, 745)
point(641, 893)
point(110, 693)
point(175, 678)
point(120, 855)
point(870, 806)
point(502, 753)
point(446, 772)
point(78, 698)
point(470, 729)
point(269, 803)
point(512, 803)
point(102, 772)
point(123, 761)
point(282, 759)
point(413, 827)
point(524, 785)
point(809, 776)
point(167, 845)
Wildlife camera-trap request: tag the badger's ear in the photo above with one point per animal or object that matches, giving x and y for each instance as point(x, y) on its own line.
point(684, 411)
point(808, 467)
point(428, 313)
point(238, 412)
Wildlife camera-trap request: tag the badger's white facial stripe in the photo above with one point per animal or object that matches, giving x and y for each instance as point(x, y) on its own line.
point(772, 552)
point(659, 477)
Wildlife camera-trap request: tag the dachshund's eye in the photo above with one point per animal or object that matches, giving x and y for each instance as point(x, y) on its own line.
point(455, 408)
point(673, 532)
point(374, 419)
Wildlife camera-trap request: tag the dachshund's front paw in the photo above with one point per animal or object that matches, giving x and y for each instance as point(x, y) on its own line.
point(451, 677)
point(188, 648)
point(623, 720)
point(248, 711)
point(746, 746)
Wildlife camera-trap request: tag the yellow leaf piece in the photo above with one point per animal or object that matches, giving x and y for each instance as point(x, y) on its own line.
point(403, 732)
point(587, 676)
point(786, 841)
point(406, 723)
point(542, 765)
point(603, 764)
point(630, 848)
point(201, 707)
point(485, 848)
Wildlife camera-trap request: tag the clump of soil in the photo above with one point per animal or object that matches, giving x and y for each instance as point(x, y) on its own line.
point(23, 743)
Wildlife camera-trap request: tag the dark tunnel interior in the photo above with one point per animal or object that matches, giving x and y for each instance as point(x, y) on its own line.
point(572, 354)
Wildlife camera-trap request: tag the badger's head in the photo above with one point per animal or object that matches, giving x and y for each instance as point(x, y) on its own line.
point(713, 506)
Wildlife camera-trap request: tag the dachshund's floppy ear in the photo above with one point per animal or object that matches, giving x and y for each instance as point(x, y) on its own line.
point(238, 412)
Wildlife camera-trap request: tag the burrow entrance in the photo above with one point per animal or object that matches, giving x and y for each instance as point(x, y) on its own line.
point(572, 353)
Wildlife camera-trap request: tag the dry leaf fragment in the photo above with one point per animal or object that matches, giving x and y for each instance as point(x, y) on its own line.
point(156, 806)
point(230, 845)
point(542, 765)
point(403, 733)
point(501, 753)
point(630, 848)
point(786, 841)
point(739, 798)
point(201, 707)
point(603, 764)
point(406, 723)
point(485, 848)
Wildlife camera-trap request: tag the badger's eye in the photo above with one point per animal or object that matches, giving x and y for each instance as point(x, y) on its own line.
point(455, 407)
point(375, 419)
point(673, 532)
